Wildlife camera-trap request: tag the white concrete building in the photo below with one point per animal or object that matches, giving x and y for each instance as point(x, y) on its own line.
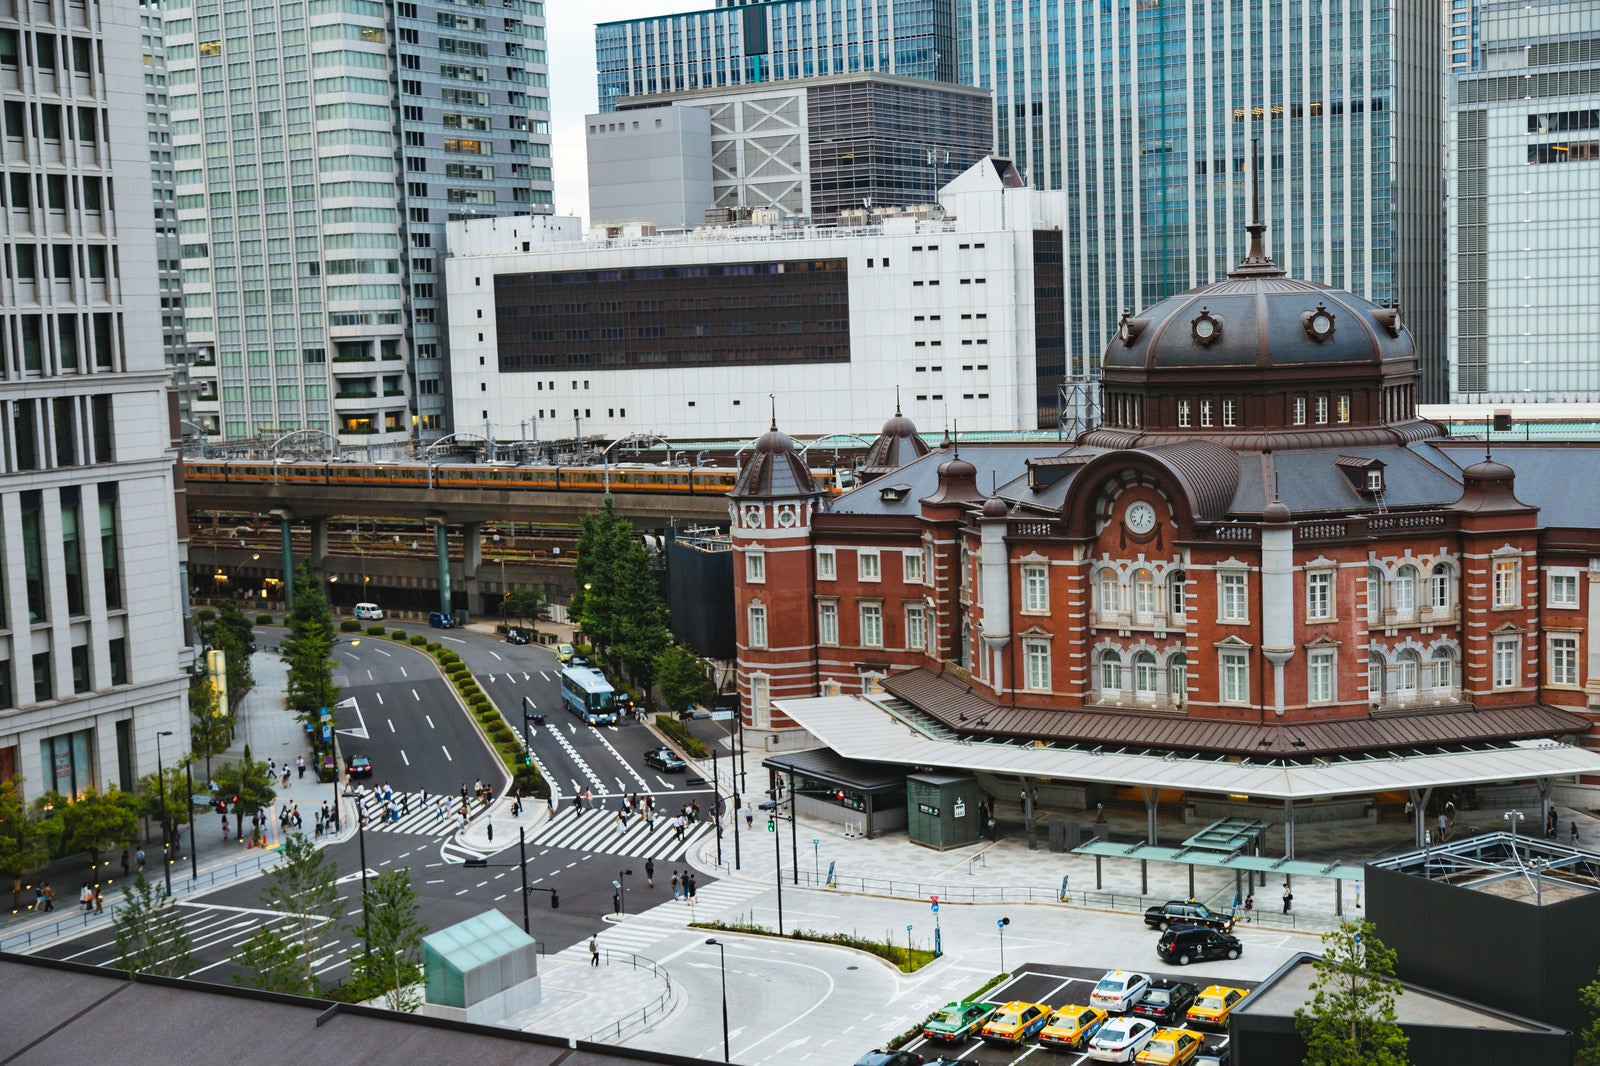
point(652, 168)
point(91, 651)
point(1524, 208)
point(687, 334)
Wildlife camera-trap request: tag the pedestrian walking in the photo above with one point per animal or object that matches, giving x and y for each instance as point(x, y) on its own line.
point(405, 803)
point(99, 902)
point(300, 765)
point(488, 822)
point(224, 838)
point(86, 897)
point(650, 873)
point(1288, 897)
point(594, 951)
point(124, 862)
point(38, 897)
point(588, 798)
point(1572, 831)
point(285, 775)
point(49, 898)
point(693, 885)
point(139, 856)
point(438, 810)
point(674, 884)
point(550, 804)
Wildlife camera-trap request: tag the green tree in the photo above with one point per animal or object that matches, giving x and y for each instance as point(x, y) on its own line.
point(210, 731)
point(394, 940)
point(97, 821)
point(602, 537)
point(302, 890)
point(28, 835)
point(1589, 1039)
point(176, 797)
point(639, 627)
point(523, 606)
point(681, 676)
point(233, 633)
point(150, 934)
point(246, 786)
point(308, 648)
point(1350, 1019)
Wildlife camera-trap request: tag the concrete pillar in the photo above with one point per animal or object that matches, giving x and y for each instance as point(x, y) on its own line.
point(285, 518)
point(319, 542)
point(471, 549)
point(1151, 795)
point(1288, 828)
point(1419, 813)
point(441, 549)
point(1277, 598)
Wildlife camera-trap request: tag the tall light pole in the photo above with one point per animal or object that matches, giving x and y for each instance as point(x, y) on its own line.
point(194, 858)
point(361, 838)
point(622, 891)
point(161, 786)
point(722, 951)
point(1001, 925)
point(1514, 817)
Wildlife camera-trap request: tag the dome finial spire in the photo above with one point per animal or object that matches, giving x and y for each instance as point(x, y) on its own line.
point(897, 401)
point(1256, 260)
point(773, 401)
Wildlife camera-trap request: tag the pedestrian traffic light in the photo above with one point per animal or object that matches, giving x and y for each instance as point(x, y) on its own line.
point(555, 900)
point(527, 760)
point(772, 826)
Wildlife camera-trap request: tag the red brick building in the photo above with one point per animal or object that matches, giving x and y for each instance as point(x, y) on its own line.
point(1263, 555)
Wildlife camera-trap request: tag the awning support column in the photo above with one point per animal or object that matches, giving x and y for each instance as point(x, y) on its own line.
point(1546, 786)
point(1288, 828)
point(1151, 797)
point(1419, 813)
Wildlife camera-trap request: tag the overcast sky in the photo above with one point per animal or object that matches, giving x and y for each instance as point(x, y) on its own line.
point(570, 32)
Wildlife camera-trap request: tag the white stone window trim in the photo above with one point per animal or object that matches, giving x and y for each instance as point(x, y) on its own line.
point(1572, 573)
point(1575, 638)
point(827, 564)
point(1317, 575)
point(755, 567)
point(869, 565)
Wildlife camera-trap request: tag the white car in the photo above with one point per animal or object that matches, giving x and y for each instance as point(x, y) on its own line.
point(1119, 990)
point(369, 612)
point(1120, 1039)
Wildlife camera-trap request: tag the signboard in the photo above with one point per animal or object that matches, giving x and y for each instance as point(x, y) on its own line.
point(960, 809)
point(327, 733)
point(929, 809)
point(723, 716)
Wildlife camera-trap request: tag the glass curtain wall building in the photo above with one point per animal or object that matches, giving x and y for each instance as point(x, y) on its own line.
point(92, 660)
point(775, 40)
point(1146, 113)
point(320, 147)
point(1524, 203)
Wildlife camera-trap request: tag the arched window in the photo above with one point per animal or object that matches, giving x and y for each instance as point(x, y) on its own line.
point(1374, 594)
point(1110, 588)
point(1144, 596)
point(1439, 582)
point(1444, 668)
point(1178, 678)
point(1407, 666)
point(1175, 593)
point(1375, 676)
point(1405, 591)
point(1144, 673)
point(1110, 673)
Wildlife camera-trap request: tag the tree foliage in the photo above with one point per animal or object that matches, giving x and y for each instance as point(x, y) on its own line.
point(601, 538)
point(28, 835)
point(524, 605)
point(640, 627)
point(150, 934)
point(176, 795)
point(246, 786)
point(302, 890)
point(235, 634)
point(1350, 1019)
point(308, 648)
point(393, 937)
point(210, 731)
point(617, 603)
point(1589, 1038)
point(681, 676)
point(96, 821)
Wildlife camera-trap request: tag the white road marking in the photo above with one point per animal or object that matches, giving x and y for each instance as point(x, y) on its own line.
point(403, 672)
point(380, 698)
point(429, 719)
point(391, 724)
point(404, 759)
point(496, 656)
point(446, 753)
point(360, 731)
point(369, 675)
point(415, 696)
point(385, 654)
point(525, 676)
point(544, 675)
point(572, 729)
point(511, 678)
point(664, 784)
point(621, 787)
point(453, 640)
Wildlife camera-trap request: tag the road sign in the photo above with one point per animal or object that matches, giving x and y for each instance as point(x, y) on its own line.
point(722, 716)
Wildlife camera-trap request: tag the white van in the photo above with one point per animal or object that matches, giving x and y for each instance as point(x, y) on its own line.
point(369, 612)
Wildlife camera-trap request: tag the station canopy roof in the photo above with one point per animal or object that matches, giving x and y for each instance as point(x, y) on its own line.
point(887, 730)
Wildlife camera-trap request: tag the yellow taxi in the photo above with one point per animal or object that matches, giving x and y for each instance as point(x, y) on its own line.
point(1212, 1006)
point(1072, 1026)
point(564, 653)
point(1015, 1022)
point(1171, 1047)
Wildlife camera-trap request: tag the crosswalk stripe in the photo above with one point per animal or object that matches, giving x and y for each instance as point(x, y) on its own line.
point(594, 832)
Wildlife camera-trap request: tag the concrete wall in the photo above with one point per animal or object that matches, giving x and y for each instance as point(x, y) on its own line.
point(651, 165)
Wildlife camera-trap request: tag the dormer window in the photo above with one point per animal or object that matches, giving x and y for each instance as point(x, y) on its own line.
point(891, 493)
point(1365, 475)
point(1374, 480)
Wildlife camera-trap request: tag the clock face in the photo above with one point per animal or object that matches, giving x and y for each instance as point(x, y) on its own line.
point(1141, 518)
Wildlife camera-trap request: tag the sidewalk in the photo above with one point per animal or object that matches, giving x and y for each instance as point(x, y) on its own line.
point(271, 732)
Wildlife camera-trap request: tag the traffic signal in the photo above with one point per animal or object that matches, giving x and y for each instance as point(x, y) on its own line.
point(476, 863)
point(770, 805)
point(772, 826)
point(527, 760)
point(555, 900)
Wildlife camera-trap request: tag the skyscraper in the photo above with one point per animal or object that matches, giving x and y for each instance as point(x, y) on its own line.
point(1524, 202)
point(1145, 114)
point(91, 655)
point(320, 148)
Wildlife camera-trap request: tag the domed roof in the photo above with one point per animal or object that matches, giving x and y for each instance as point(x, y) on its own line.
point(995, 507)
point(958, 481)
point(776, 470)
point(1257, 317)
point(898, 444)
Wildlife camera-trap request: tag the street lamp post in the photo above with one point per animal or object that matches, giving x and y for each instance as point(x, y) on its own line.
point(161, 786)
point(622, 891)
point(723, 960)
point(1001, 925)
point(1514, 817)
point(194, 858)
point(938, 939)
point(522, 864)
point(361, 838)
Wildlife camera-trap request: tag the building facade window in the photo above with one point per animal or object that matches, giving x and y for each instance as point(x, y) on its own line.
point(1205, 413)
point(1035, 589)
point(868, 566)
point(1036, 665)
point(758, 625)
point(1230, 412)
point(1439, 582)
point(913, 567)
point(1109, 590)
point(1146, 673)
point(1231, 590)
point(827, 623)
point(1506, 651)
point(1175, 594)
point(755, 567)
point(1563, 589)
point(1320, 676)
point(761, 701)
point(1444, 668)
point(1374, 594)
point(1178, 679)
point(1405, 591)
point(1322, 410)
point(916, 628)
point(1319, 595)
point(1407, 666)
point(1298, 415)
point(1564, 659)
point(1183, 414)
point(871, 625)
point(1506, 583)
point(1234, 668)
point(1145, 600)
point(1110, 673)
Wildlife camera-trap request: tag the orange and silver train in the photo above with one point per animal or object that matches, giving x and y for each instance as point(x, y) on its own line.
point(620, 477)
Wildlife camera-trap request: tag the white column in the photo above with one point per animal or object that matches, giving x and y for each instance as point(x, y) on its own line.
point(1592, 684)
point(1277, 603)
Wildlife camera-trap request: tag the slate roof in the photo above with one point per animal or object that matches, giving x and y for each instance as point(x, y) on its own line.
point(956, 705)
point(1310, 481)
point(1546, 474)
point(992, 461)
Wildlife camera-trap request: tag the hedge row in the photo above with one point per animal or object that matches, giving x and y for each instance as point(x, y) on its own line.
point(675, 729)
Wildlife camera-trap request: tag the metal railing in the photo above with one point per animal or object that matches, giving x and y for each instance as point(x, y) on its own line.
point(640, 1017)
point(81, 920)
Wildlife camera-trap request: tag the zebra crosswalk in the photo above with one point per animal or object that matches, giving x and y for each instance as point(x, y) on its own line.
point(417, 814)
point(640, 933)
point(599, 831)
